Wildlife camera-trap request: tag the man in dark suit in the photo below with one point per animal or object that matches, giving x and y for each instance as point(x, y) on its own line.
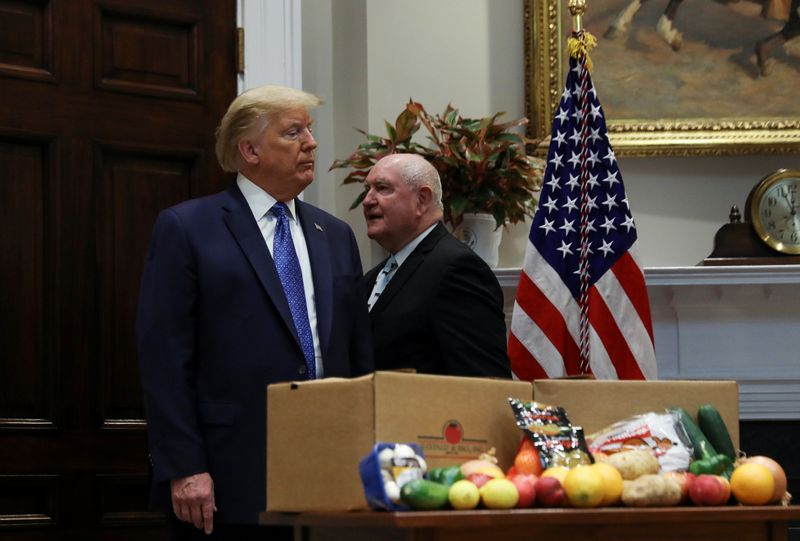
point(241, 289)
point(435, 306)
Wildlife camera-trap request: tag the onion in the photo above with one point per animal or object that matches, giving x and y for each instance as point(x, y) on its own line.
point(481, 466)
point(777, 473)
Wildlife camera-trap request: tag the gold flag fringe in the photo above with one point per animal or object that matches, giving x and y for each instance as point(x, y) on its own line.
point(580, 45)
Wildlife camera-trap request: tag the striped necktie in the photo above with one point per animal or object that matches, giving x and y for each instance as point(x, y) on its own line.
point(291, 277)
point(383, 278)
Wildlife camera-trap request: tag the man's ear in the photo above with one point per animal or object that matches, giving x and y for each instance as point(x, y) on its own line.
point(248, 151)
point(424, 198)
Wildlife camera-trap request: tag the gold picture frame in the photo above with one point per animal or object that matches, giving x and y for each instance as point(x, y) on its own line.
point(547, 24)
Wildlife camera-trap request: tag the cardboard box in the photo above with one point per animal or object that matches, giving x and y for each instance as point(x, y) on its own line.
point(317, 431)
point(595, 404)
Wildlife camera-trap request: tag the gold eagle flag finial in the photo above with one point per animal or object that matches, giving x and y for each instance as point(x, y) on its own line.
point(577, 8)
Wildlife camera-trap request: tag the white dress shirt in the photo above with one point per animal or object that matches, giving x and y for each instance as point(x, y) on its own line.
point(260, 203)
point(403, 253)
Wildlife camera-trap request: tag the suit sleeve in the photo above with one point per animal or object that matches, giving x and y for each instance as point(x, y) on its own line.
point(361, 357)
point(469, 320)
point(165, 329)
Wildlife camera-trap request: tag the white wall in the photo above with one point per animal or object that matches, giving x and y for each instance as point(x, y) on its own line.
point(366, 58)
point(680, 203)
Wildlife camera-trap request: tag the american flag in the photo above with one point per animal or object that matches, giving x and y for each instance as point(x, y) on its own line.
point(545, 338)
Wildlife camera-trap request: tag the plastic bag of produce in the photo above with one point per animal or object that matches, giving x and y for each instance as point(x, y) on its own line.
point(386, 469)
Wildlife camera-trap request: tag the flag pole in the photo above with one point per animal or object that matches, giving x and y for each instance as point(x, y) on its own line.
point(579, 50)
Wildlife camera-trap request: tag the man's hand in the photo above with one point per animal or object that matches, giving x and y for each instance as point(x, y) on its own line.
point(193, 500)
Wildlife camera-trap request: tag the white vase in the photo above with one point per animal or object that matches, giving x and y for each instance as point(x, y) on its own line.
point(479, 231)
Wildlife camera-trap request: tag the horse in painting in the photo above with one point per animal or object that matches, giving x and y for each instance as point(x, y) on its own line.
point(777, 9)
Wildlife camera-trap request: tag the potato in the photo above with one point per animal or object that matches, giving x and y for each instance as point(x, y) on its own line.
point(634, 464)
point(651, 490)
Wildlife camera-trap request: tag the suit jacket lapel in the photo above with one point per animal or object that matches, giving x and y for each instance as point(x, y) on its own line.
point(408, 268)
point(318, 244)
point(240, 222)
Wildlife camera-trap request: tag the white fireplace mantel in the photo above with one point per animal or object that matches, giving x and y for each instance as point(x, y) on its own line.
point(736, 322)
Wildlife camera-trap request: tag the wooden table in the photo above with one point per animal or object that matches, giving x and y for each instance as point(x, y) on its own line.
point(730, 523)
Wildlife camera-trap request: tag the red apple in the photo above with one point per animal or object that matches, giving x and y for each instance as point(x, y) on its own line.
point(526, 486)
point(549, 492)
point(684, 479)
point(479, 479)
point(726, 488)
point(709, 490)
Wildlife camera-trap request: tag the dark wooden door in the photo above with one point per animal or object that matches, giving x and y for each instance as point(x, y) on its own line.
point(107, 114)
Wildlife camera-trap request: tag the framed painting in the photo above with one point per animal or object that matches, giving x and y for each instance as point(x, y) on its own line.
point(677, 82)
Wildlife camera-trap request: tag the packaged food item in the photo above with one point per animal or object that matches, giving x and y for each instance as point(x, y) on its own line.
point(553, 436)
point(386, 469)
point(662, 434)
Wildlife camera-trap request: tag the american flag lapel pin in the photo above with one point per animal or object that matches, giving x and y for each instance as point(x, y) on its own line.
point(319, 227)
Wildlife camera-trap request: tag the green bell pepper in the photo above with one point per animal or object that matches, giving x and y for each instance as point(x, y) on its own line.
point(711, 463)
point(445, 476)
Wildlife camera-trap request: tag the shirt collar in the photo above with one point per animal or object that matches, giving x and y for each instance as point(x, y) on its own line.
point(406, 250)
point(258, 200)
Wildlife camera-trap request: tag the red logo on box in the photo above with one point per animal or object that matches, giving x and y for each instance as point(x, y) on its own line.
point(452, 442)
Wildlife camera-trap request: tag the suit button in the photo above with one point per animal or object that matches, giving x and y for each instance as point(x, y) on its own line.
point(302, 370)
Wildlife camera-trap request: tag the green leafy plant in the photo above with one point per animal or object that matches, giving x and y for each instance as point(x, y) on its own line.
point(482, 162)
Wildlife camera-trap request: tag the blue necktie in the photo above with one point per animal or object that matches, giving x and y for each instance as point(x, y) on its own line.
point(292, 281)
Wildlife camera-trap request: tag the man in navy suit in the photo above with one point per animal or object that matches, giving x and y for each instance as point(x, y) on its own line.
point(220, 316)
point(435, 306)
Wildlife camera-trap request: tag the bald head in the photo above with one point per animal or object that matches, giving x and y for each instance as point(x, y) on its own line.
point(404, 198)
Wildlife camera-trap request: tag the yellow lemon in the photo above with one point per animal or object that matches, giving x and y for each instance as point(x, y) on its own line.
point(584, 487)
point(499, 494)
point(612, 483)
point(464, 494)
point(559, 472)
point(752, 484)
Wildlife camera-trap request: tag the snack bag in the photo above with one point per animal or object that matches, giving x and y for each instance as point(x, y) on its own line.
point(659, 433)
point(556, 440)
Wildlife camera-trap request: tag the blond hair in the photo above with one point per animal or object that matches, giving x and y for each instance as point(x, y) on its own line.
point(250, 113)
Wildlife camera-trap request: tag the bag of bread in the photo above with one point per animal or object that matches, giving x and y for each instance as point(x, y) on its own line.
point(660, 433)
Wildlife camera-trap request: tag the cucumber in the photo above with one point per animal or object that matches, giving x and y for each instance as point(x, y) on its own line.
point(696, 436)
point(424, 494)
point(712, 425)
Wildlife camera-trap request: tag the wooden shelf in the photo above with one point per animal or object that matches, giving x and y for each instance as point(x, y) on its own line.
point(647, 524)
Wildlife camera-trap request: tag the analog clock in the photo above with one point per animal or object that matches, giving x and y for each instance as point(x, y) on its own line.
point(774, 209)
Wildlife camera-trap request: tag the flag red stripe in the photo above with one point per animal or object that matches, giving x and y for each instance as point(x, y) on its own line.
point(550, 320)
point(631, 278)
point(523, 364)
point(615, 344)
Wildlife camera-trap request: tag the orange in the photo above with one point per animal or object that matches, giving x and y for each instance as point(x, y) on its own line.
point(584, 487)
point(612, 483)
point(752, 484)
